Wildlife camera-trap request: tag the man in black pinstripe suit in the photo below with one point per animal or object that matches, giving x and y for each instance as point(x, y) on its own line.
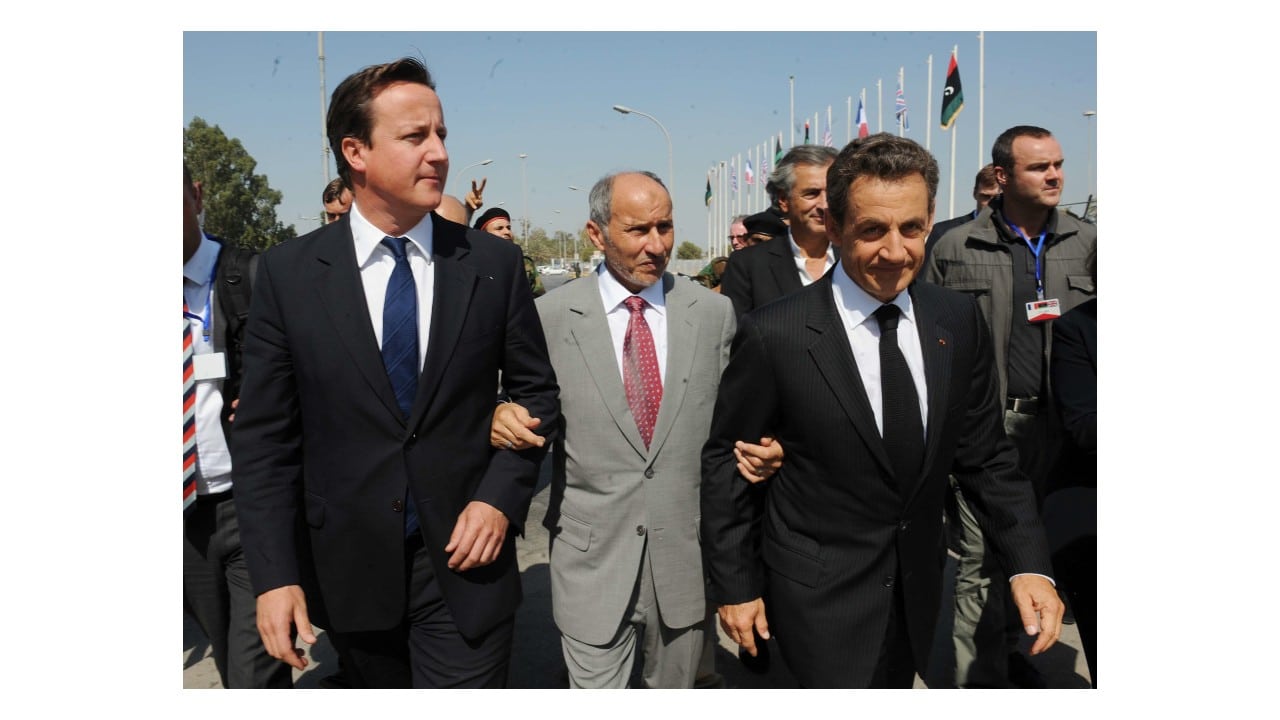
point(839, 555)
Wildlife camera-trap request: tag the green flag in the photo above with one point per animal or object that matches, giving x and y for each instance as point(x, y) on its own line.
point(707, 199)
point(777, 150)
point(952, 95)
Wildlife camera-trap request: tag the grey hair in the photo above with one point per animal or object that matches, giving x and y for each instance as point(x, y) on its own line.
point(601, 198)
point(737, 219)
point(783, 177)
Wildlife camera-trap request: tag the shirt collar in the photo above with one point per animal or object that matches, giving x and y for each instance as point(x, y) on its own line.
point(795, 249)
point(199, 269)
point(367, 237)
point(855, 305)
point(612, 293)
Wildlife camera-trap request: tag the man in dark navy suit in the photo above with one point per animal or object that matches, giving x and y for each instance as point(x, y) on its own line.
point(370, 498)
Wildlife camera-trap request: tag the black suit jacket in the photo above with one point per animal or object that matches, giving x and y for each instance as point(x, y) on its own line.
point(829, 536)
point(760, 274)
point(323, 455)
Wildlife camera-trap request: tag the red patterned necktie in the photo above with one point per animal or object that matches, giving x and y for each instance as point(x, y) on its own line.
point(640, 370)
point(188, 415)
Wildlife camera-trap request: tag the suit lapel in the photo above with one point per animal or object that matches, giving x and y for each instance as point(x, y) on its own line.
point(336, 279)
point(455, 281)
point(829, 348)
point(782, 263)
point(590, 330)
point(682, 338)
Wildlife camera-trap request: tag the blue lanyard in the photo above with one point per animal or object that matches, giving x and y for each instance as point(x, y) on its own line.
point(1035, 252)
point(208, 306)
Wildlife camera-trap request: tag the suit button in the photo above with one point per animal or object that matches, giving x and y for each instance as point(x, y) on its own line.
point(903, 525)
point(888, 581)
point(397, 505)
point(412, 439)
point(648, 472)
point(640, 530)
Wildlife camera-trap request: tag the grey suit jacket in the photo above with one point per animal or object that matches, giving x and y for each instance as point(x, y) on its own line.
point(610, 496)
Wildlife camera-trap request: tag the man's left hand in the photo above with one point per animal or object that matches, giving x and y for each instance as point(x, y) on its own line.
point(477, 537)
point(1040, 609)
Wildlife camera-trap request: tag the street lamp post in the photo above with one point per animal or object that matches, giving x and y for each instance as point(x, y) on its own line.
point(524, 189)
point(477, 164)
point(671, 178)
point(1089, 115)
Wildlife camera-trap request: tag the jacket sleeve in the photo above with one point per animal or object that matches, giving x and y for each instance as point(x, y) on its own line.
point(528, 379)
point(732, 508)
point(986, 466)
point(266, 444)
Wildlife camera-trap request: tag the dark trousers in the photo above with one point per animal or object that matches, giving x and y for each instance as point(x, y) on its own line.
point(216, 592)
point(895, 669)
point(425, 650)
point(1076, 567)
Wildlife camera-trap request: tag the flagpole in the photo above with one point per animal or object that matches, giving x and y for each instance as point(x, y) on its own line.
point(793, 110)
point(928, 113)
point(901, 71)
point(879, 105)
point(722, 183)
point(744, 182)
point(711, 211)
point(848, 127)
point(982, 91)
point(951, 208)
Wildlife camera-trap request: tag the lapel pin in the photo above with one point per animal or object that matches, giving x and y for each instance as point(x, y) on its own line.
point(941, 341)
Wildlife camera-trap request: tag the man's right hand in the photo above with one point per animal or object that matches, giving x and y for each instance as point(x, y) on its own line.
point(512, 428)
point(279, 610)
point(738, 621)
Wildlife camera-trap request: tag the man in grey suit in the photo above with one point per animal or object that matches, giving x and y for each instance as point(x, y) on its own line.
point(641, 354)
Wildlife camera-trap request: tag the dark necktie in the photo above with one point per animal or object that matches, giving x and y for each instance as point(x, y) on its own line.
point(188, 416)
point(400, 342)
point(903, 431)
point(640, 373)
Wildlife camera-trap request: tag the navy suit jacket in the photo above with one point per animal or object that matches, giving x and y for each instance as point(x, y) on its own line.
point(826, 540)
point(323, 455)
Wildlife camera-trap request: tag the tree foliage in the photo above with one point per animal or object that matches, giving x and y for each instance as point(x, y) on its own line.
point(238, 205)
point(688, 251)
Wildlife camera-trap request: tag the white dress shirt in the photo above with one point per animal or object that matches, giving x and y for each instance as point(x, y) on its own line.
point(856, 310)
point(376, 262)
point(213, 458)
point(800, 258)
point(619, 315)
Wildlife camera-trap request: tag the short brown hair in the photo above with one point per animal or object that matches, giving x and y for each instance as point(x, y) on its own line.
point(986, 177)
point(1002, 150)
point(349, 114)
point(333, 190)
point(883, 156)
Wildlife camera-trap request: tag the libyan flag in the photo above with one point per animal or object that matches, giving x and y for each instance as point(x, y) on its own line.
point(952, 95)
point(707, 199)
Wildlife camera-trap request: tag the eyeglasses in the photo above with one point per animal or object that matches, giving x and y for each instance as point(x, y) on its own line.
point(743, 236)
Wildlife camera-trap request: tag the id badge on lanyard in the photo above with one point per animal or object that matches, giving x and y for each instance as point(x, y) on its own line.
point(1042, 308)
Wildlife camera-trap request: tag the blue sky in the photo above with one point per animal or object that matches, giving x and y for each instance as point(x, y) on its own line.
point(550, 94)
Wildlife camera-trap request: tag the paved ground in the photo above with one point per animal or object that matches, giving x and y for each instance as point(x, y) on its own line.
point(536, 658)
